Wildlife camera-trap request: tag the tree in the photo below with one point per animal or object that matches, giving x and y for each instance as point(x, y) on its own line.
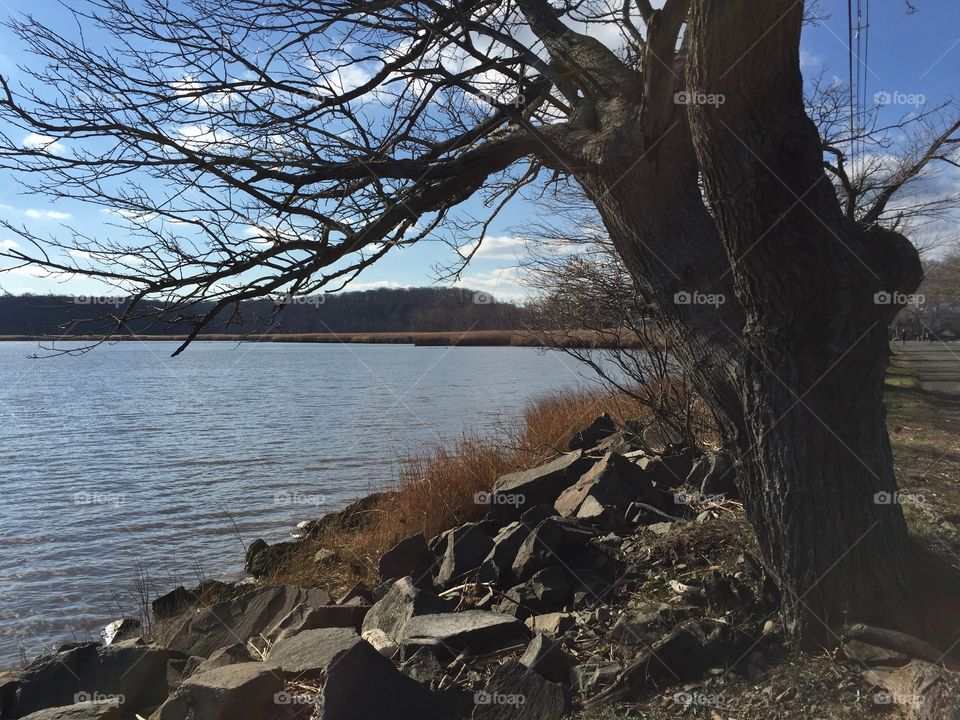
point(299, 141)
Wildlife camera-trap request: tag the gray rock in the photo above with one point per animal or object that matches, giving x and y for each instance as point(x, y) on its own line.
point(409, 557)
point(262, 559)
point(515, 493)
point(497, 567)
point(668, 472)
point(93, 710)
point(306, 656)
point(230, 655)
point(479, 630)
point(462, 551)
point(242, 618)
point(138, 672)
point(592, 435)
point(515, 692)
point(553, 541)
point(392, 614)
point(555, 623)
point(423, 667)
point(363, 685)
point(303, 617)
point(614, 481)
point(873, 654)
point(550, 586)
point(246, 691)
point(360, 594)
point(535, 515)
point(547, 658)
point(120, 630)
point(591, 676)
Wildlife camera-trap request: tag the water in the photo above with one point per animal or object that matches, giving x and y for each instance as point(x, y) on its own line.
point(125, 458)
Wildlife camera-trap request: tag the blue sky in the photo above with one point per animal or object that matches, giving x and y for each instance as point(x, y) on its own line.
point(910, 56)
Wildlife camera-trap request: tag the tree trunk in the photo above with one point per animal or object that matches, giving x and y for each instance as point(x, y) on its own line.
point(816, 467)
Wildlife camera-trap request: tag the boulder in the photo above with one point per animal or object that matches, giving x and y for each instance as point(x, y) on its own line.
point(479, 630)
point(423, 667)
point(230, 655)
point(515, 493)
point(547, 658)
point(557, 541)
point(306, 656)
point(246, 691)
point(359, 594)
point(242, 618)
point(535, 515)
point(555, 623)
point(515, 692)
point(497, 566)
point(408, 557)
point(92, 710)
point(303, 617)
point(361, 684)
point(461, 551)
point(550, 586)
point(592, 435)
point(120, 630)
point(668, 472)
point(262, 559)
point(392, 614)
point(179, 600)
point(355, 515)
point(137, 672)
point(714, 475)
point(614, 481)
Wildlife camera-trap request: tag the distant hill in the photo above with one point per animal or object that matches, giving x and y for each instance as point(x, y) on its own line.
point(382, 310)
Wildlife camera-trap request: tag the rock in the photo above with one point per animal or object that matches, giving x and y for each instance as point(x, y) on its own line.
point(668, 472)
point(423, 667)
point(547, 658)
point(246, 691)
point(515, 692)
point(480, 630)
point(497, 566)
point(588, 677)
point(614, 481)
point(873, 654)
point(137, 672)
point(230, 655)
point(360, 593)
point(772, 628)
point(550, 586)
point(515, 493)
point(178, 601)
point(93, 710)
point(714, 475)
point(645, 623)
point(262, 559)
point(363, 685)
point(660, 528)
point(462, 550)
point(326, 556)
point(555, 623)
point(592, 435)
point(303, 617)
point(408, 557)
point(381, 642)
point(306, 656)
point(392, 614)
point(353, 516)
point(553, 541)
point(120, 630)
point(242, 618)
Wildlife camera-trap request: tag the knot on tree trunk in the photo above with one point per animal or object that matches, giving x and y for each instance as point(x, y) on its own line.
point(895, 261)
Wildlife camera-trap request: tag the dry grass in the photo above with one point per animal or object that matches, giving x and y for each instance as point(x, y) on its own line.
point(436, 488)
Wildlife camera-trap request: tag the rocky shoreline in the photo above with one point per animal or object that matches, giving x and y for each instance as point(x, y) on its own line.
point(609, 574)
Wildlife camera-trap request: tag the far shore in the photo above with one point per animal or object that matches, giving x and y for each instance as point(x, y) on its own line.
point(472, 338)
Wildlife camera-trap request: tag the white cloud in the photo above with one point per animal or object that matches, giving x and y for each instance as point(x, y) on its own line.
point(35, 141)
point(376, 285)
point(498, 247)
point(8, 245)
point(47, 214)
point(503, 283)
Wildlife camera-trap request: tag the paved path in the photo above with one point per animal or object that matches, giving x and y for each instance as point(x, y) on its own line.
point(937, 366)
